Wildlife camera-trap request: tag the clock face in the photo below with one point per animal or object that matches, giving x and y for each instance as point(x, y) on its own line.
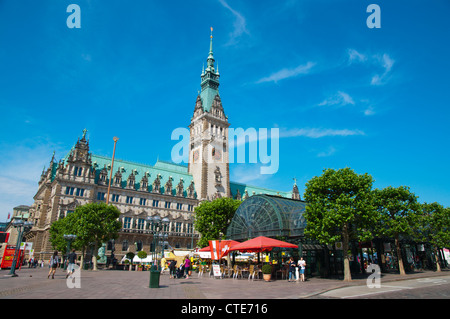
point(196, 156)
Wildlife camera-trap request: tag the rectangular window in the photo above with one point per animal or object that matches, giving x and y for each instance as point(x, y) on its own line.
point(155, 203)
point(77, 171)
point(79, 192)
point(190, 208)
point(101, 196)
point(178, 227)
point(69, 190)
point(115, 198)
point(129, 200)
point(189, 228)
point(168, 204)
point(127, 222)
point(142, 201)
point(140, 223)
point(179, 206)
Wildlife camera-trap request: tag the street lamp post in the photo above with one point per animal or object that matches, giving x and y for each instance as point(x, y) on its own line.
point(159, 233)
point(21, 226)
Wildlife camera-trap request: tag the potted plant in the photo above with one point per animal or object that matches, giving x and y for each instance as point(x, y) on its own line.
point(267, 272)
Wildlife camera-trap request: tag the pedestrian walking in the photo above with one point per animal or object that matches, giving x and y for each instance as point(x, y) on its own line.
point(291, 264)
point(302, 265)
point(163, 264)
point(187, 265)
point(54, 262)
point(172, 269)
point(72, 259)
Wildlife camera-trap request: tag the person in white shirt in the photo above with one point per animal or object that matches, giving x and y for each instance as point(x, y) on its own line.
point(302, 265)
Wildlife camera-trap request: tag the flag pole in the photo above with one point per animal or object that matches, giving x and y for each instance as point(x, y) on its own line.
point(112, 165)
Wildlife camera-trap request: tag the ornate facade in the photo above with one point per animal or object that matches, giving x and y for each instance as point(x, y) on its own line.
point(139, 191)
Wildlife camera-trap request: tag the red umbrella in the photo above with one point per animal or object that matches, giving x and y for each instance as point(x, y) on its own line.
point(260, 244)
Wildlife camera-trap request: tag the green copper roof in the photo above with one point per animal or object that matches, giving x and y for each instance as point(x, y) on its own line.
point(210, 81)
point(207, 97)
point(164, 169)
point(255, 190)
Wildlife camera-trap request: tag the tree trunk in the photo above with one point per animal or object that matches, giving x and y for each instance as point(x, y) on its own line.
point(82, 258)
point(345, 242)
point(401, 268)
point(436, 257)
point(94, 257)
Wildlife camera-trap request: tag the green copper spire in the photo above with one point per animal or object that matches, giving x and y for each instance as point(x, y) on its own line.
point(210, 80)
point(210, 59)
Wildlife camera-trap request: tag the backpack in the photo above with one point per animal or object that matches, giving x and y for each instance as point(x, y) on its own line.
point(55, 260)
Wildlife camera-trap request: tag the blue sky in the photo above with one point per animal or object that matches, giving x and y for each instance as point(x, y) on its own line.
point(341, 94)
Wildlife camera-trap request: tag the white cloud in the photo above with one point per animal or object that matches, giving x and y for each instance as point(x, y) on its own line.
point(341, 98)
point(387, 63)
point(288, 73)
point(355, 56)
point(239, 24)
point(331, 150)
point(318, 132)
point(369, 111)
point(379, 60)
point(21, 170)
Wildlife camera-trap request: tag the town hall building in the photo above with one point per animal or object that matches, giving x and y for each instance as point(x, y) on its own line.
point(140, 191)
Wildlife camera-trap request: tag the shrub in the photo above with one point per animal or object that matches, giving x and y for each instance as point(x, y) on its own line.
point(266, 269)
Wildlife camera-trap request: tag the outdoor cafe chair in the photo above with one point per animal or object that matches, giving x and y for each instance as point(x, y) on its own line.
point(251, 272)
point(237, 272)
point(225, 271)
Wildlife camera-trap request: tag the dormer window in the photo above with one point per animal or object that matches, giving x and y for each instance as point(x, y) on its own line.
point(77, 171)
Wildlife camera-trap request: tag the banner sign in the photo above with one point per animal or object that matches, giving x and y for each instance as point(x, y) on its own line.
point(216, 270)
point(214, 246)
point(219, 248)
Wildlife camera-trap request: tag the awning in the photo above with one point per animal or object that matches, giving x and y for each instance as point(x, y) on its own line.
point(136, 259)
point(260, 244)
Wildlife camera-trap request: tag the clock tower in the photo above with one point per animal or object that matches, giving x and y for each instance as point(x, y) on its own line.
point(208, 149)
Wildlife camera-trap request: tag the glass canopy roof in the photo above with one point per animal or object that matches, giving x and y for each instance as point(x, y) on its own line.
point(267, 215)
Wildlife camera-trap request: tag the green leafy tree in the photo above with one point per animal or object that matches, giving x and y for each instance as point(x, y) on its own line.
point(57, 231)
point(61, 227)
point(213, 218)
point(398, 208)
point(340, 209)
point(434, 227)
point(95, 223)
point(142, 254)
